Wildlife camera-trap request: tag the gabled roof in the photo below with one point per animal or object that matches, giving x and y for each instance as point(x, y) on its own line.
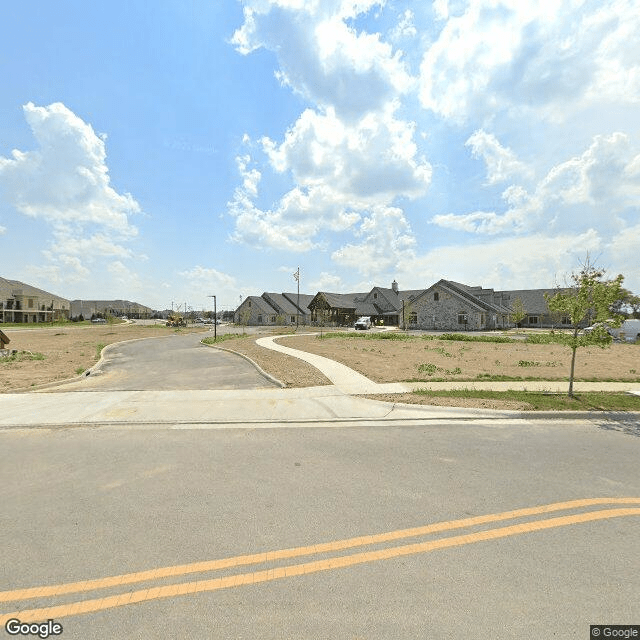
point(304, 298)
point(280, 303)
point(532, 299)
point(260, 304)
point(342, 300)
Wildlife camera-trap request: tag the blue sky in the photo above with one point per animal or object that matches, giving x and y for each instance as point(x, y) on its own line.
point(167, 151)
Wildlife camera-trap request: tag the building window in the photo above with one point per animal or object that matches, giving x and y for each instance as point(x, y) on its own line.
point(259, 318)
point(566, 320)
point(533, 319)
point(293, 318)
point(462, 318)
point(249, 303)
point(30, 305)
point(375, 296)
point(413, 318)
point(273, 318)
point(436, 296)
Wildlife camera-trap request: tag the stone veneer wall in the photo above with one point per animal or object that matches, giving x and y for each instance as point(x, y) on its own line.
point(445, 310)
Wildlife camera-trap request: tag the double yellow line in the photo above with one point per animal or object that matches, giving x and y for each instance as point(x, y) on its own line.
point(325, 564)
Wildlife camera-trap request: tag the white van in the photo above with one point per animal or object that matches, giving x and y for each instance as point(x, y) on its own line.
point(628, 331)
point(363, 323)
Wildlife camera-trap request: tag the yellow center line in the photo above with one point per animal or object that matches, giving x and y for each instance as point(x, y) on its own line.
point(215, 584)
point(336, 545)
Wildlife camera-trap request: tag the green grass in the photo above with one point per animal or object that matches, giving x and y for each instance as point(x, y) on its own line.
point(538, 401)
point(224, 337)
point(80, 371)
point(389, 335)
point(99, 347)
point(21, 356)
point(465, 337)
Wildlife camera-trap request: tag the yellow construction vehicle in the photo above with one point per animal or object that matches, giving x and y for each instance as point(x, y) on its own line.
point(175, 320)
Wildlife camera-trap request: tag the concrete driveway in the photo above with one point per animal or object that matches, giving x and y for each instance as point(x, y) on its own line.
point(177, 362)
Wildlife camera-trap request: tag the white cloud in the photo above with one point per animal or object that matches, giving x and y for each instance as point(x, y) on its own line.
point(595, 189)
point(551, 57)
point(387, 242)
point(65, 182)
point(537, 260)
point(406, 27)
point(327, 282)
point(501, 162)
point(209, 277)
point(321, 57)
point(340, 170)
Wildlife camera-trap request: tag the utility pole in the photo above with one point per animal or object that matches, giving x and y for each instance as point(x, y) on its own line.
point(296, 275)
point(215, 318)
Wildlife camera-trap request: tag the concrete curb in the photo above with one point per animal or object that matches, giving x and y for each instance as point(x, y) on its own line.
point(259, 369)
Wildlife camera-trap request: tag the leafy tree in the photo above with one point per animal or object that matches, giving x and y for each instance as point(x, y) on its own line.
point(628, 305)
point(590, 299)
point(518, 312)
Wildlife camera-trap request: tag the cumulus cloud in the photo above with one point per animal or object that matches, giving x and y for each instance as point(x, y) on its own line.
point(550, 57)
point(323, 58)
point(65, 182)
point(340, 170)
point(520, 262)
point(387, 242)
point(598, 188)
point(501, 162)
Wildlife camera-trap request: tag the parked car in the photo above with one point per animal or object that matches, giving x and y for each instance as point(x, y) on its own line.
point(363, 323)
point(99, 321)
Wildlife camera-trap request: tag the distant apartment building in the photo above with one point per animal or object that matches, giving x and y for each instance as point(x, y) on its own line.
point(20, 302)
point(117, 308)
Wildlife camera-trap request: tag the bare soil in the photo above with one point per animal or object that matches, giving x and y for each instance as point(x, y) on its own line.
point(413, 360)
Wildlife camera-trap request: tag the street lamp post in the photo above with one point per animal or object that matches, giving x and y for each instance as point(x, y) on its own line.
point(296, 275)
point(215, 318)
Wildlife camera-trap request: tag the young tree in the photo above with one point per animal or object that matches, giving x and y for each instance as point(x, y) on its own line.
point(518, 312)
point(591, 298)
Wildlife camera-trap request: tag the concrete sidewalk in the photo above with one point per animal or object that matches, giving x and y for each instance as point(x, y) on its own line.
point(258, 407)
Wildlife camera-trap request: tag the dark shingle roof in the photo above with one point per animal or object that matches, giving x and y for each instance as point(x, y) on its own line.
point(280, 303)
point(305, 299)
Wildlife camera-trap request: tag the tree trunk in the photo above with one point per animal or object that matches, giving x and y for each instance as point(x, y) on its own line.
point(573, 363)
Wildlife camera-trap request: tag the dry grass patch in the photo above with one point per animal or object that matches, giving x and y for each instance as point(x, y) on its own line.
point(420, 359)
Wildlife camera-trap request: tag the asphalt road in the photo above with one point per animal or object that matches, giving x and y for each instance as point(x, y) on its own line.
point(88, 503)
point(169, 363)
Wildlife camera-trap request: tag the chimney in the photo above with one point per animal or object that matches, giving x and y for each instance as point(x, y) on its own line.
point(394, 286)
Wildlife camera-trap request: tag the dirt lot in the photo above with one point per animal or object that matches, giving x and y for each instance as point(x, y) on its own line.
point(420, 359)
point(69, 349)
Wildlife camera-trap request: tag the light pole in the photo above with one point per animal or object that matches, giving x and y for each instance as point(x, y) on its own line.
point(296, 275)
point(215, 318)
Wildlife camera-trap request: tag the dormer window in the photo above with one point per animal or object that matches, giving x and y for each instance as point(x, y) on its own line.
point(436, 296)
point(375, 296)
